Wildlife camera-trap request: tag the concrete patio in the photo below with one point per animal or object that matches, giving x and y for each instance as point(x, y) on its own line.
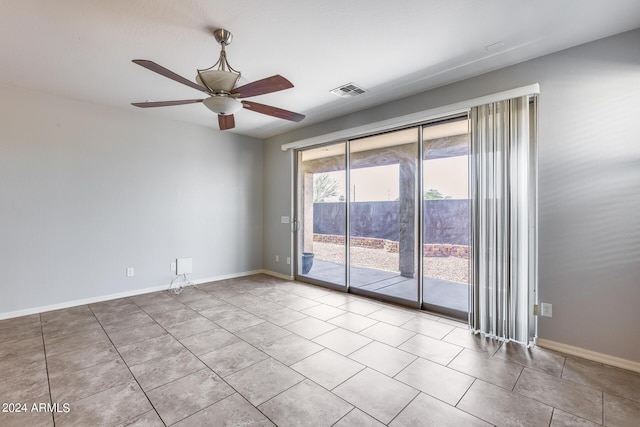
point(451, 296)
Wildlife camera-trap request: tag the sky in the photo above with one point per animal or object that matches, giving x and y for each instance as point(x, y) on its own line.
point(448, 175)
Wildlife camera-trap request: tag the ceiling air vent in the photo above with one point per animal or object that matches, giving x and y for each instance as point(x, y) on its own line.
point(348, 91)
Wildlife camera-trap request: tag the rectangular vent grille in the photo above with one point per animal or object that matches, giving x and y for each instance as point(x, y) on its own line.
point(348, 91)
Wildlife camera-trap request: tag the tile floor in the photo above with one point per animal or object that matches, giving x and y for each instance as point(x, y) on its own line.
point(263, 351)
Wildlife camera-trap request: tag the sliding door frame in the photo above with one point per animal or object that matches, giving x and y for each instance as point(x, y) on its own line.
point(455, 115)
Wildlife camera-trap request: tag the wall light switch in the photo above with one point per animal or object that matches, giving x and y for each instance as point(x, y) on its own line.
point(173, 266)
point(130, 271)
point(288, 260)
point(284, 219)
point(546, 309)
point(277, 258)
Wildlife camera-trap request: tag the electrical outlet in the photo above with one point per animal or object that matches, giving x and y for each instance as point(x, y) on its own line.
point(130, 271)
point(288, 260)
point(277, 258)
point(546, 309)
point(173, 266)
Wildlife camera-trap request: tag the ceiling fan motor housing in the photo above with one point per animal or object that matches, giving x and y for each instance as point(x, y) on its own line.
point(217, 80)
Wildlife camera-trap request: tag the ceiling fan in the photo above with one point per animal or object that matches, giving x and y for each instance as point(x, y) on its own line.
point(220, 82)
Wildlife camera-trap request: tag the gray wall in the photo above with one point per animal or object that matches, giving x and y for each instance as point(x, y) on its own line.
point(87, 191)
point(589, 181)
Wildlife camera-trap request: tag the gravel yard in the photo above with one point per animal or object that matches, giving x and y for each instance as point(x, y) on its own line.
point(446, 268)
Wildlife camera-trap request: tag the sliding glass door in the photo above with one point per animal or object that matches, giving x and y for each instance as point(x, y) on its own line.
point(383, 213)
point(321, 215)
point(446, 217)
point(388, 216)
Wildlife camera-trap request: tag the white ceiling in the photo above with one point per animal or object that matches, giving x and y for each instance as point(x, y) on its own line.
point(82, 49)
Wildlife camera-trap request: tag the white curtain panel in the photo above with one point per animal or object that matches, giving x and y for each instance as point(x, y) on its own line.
point(503, 212)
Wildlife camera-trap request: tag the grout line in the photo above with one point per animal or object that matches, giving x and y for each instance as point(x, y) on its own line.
point(46, 365)
point(128, 367)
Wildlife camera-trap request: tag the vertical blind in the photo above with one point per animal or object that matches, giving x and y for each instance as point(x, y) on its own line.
point(503, 212)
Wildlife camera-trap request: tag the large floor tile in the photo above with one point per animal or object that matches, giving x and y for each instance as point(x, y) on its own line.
point(357, 418)
point(24, 366)
point(186, 396)
point(85, 357)
point(70, 342)
point(122, 337)
point(342, 341)
point(117, 321)
point(233, 411)
point(360, 307)
point(383, 358)
point(328, 368)
point(170, 318)
point(335, 299)
point(495, 371)
point(232, 358)
point(208, 341)
point(22, 388)
point(392, 316)
point(295, 302)
point(583, 401)
point(24, 416)
point(309, 327)
point(232, 319)
point(156, 372)
point(436, 380)
point(619, 411)
point(305, 404)
point(534, 357)
point(476, 342)
point(431, 328)
point(153, 348)
point(15, 349)
point(606, 378)
point(353, 322)
point(148, 419)
point(564, 419)
point(263, 380)
point(426, 411)
point(283, 316)
point(387, 334)
point(376, 394)
point(291, 349)
point(504, 408)
point(431, 348)
point(85, 382)
point(204, 302)
point(109, 407)
point(60, 328)
point(262, 334)
point(323, 312)
point(191, 327)
point(163, 306)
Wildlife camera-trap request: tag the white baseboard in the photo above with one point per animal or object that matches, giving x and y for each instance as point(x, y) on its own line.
point(278, 275)
point(589, 355)
point(93, 300)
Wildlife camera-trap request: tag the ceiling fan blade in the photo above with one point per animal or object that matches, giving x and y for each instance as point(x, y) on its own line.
point(165, 103)
point(272, 111)
point(226, 121)
point(261, 87)
point(150, 65)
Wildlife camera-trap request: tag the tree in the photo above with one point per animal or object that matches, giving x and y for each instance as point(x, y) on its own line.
point(324, 187)
point(433, 194)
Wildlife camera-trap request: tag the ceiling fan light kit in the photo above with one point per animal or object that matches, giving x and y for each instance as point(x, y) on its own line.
point(224, 105)
point(220, 82)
